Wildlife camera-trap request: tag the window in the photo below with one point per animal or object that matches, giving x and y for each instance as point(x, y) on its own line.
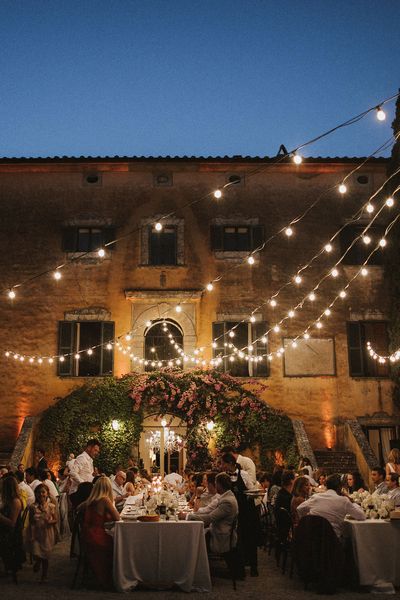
point(157, 343)
point(236, 238)
point(360, 251)
point(245, 334)
point(86, 239)
point(163, 245)
point(360, 362)
point(76, 336)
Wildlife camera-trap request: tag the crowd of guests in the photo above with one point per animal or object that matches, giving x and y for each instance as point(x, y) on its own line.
point(231, 500)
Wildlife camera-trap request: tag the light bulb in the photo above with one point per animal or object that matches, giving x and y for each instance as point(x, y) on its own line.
point(291, 313)
point(77, 356)
point(270, 357)
point(57, 275)
point(158, 226)
point(148, 323)
point(364, 272)
point(328, 247)
point(327, 311)
point(389, 202)
point(366, 239)
point(342, 294)
point(217, 194)
point(263, 339)
point(277, 328)
point(250, 347)
point(178, 308)
point(342, 188)
point(90, 352)
point(40, 360)
point(370, 208)
point(319, 325)
point(209, 287)
point(297, 159)
point(210, 425)
point(231, 358)
point(152, 349)
point(273, 303)
point(31, 360)
point(101, 252)
point(380, 114)
point(11, 294)
point(382, 242)
point(311, 296)
point(306, 336)
point(231, 334)
point(128, 337)
point(61, 359)
point(252, 319)
point(250, 260)
point(334, 272)
point(7, 354)
point(289, 231)
point(22, 358)
point(294, 344)
point(214, 344)
point(297, 279)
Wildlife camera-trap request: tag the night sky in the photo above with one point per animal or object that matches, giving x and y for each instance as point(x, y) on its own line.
point(186, 77)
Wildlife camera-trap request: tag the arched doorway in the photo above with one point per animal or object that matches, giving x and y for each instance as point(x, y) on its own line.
point(157, 342)
point(162, 444)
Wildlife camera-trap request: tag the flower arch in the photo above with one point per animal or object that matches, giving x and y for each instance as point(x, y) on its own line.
point(197, 397)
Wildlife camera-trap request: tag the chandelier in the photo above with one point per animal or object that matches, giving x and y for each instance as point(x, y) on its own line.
point(172, 441)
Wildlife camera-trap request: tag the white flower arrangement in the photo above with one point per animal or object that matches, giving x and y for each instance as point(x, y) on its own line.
point(375, 506)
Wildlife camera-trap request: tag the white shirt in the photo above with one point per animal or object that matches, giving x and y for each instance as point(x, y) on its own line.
point(394, 495)
point(248, 465)
point(51, 487)
point(30, 496)
point(210, 506)
point(173, 479)
point(82, 470)
point(34, 484)
point(332, 507)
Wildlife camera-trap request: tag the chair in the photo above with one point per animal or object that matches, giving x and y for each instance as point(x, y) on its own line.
point(318, 554)
point(82, 562)
point(232, 558)
point(284, 534)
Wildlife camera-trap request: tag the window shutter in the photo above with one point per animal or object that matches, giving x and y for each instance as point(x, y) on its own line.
point(69, 239)
point(257, 236)
point(354, 343)
point(66, 336)
point(107, 362)
point(216, 237)
point(108, 235)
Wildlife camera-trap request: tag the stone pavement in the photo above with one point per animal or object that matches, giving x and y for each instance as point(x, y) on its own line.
point(271, 583)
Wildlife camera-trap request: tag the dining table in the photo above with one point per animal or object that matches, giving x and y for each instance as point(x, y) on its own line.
point(376, 547)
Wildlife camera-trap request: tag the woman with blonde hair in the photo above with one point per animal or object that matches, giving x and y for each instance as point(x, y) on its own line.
point(99, 508)
point(393, 462)
point(301, 492)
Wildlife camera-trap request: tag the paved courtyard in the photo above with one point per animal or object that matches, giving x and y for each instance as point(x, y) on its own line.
point(271, 583)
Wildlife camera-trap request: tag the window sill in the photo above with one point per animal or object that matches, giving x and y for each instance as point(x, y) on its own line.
point(84, 376)
point(147, 266)
point(91, 258)
point(235, 255)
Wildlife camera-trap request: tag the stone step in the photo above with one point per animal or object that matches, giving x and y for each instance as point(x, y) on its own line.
point(336, 461)
point(5, 458)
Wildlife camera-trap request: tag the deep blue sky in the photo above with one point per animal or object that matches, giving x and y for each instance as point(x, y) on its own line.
point(204, 77)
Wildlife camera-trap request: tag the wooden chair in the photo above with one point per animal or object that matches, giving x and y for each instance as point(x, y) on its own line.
point(76, 539)
point(284, 534)
point(232, 558)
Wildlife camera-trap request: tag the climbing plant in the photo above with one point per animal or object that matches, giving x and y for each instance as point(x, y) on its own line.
point(197, 397)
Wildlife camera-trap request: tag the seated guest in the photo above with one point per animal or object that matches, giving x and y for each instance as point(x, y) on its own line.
point(392, 482)
point(31, 477)
point(98, 509)
point(173, 478)
point(220, 520)
point(332, 505)
point(301, 493)
point(321, 477)
point(25, 488)
point(354, 482)
point(213, 496)
point(145, 476)
point(118, 492)
point(305, 463)
point(305, 473)
point(378, 479)
point(265, 481)
point(276, 484)
point(129, 487)
point(284, 496)
point(393, 462)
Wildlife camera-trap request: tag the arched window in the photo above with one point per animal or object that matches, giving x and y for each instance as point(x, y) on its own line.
point(157, 342)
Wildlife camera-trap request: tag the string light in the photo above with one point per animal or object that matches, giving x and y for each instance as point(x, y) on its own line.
point(312, 296)
point(370, 208)
point(298, 279)
point(277, 328)
point(328, 248)
point(90, 352)
point(158, 226)
point(291, 313)
point(382, 243)
point(217, 194)
point(342, 294)
point(288, 231)
point(11, 294)
point(366, 239)
point(101, 252)
point(57, 275)
point(273, 303)
point(328, 312)
point(178, 308)
point(209, 287)
point(342, 188)
point(318, 325)
point(334, 272)
point(380, 114)
point(364, 272)
point(389, 202)
point(297, 159)
point(250, 260)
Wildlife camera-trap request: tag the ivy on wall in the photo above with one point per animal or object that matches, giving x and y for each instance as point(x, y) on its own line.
point(196, 397)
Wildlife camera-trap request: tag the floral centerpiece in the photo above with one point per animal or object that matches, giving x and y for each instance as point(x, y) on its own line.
point(160, 499)
point(375, 506)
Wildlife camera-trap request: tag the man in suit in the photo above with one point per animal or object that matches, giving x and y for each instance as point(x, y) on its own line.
point(221, 520)
point(41, 461)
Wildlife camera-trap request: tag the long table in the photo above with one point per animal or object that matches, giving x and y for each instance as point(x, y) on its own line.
point(161, 555)
point(376, 545)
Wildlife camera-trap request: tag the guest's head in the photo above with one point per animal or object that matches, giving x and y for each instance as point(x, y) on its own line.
point(287, 480)
point(211, 482)
point(392, 481)
point(265, 480)
point(277, 477)
point(228, 462)
point(120, 478)
point(130, 476)
point(378, 475)
point(230, 450)
point(30, 474)
point(301, 487)
point(334, 482)
point(223, 483)
point(394, 456)
point(321, 477)
point(3, 472)
point(39, 452)
point(44, 474)
point(200, 479)
point(144, 474)
point(93, 448)
point(41, 493)
point(19, 476)
point(9, 490)
point(305, 462)
point(83, 492)
point(101, 489)
point(354, 481)
point(21, 468)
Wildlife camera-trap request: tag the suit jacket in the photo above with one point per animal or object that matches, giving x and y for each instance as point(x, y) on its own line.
point(220, 520)
point(42, 464)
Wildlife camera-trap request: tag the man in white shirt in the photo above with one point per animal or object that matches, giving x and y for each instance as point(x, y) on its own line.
point(82, 469)
point(392, 482)
point(378, 476)
point(32, 478)
point(173, 478)
point(117, 486)
point(332, 506)
point(30, 496)
point(244, 461)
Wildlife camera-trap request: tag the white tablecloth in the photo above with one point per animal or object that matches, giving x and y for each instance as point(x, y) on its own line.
point(376, 547)
point(161, 555)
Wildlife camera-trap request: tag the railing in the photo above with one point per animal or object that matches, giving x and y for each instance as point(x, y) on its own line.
point(356, 441)
point(303, 443)
point(24, 449)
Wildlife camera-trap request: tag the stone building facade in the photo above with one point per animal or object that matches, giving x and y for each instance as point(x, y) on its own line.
point(53, 210)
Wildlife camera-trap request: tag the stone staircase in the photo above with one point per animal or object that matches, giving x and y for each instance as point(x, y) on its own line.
point(333, 461)
point(5, 458)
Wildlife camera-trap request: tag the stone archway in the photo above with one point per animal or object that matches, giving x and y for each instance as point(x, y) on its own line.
point(164, 426)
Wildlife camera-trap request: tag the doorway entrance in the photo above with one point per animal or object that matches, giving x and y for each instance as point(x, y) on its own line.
point(162, 444)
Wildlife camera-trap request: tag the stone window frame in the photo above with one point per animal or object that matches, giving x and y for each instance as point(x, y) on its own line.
point(90, 222)
point(179, 225)
point(235, 220)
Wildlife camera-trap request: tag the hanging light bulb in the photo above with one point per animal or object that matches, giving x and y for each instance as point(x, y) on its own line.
point(328, 312)
point(328, 247)
point(11, 294)
point(252, 319)
point(77, 356)
point(250, 260)
point(277, 328)
point(366, 239)
point(40, 360)
point(90, 352)
point(158, 226)
point(57, 275)
point(318, 325)
point(342, 294)
point(297, 159)
point(334, 272)
point(288, 231)
point(389, 202)
point(209, 287)
point(109, 346)
point(217, 194)
point(364, 272)
point(306, 336)
point(231, 334)
point(263, 339)
point(342, 188)
point(214, 344)
point(380, 114)
point(61, 359)
point(178, 308)
point(291, 313)
point(297, 279)
point(128, 337)
point(382, 242)
point(273, 303)
point(312, 296)
point(101, 252)
point(148, 323)
point(294, 344)
point(370, 208)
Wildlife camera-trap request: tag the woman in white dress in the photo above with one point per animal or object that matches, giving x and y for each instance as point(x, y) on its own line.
point(393, 463)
